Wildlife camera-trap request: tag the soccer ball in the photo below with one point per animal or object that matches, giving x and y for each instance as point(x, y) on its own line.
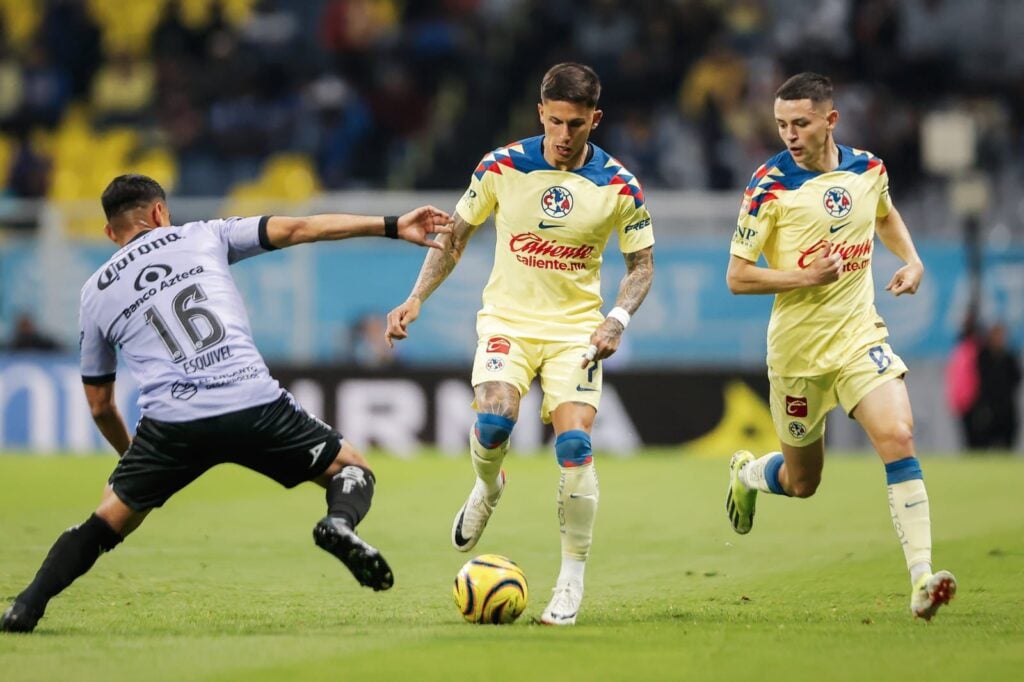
point(490, 588)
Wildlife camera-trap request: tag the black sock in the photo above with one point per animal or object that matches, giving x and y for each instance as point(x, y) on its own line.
point(349, 494)
point(74, 553)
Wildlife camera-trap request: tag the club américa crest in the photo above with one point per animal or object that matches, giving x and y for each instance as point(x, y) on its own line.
point(838, 202)
point(556, 202)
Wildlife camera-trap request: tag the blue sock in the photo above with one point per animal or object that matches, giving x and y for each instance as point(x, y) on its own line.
point(573, 449)
point(492, 429)
point(906, 469)
point(771, 474)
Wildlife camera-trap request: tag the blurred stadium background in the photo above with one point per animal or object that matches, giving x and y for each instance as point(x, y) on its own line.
point(243, 107)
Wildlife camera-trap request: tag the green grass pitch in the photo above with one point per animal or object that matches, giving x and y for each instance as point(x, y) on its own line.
point(225, 583)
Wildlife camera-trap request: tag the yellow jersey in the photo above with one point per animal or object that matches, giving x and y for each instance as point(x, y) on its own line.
point(552, 228)
point(790, 215)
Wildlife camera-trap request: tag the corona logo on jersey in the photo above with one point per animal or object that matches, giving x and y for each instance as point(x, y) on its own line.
point(838, 202)
point(556, 202)
point(849, 252)
point(112, 272)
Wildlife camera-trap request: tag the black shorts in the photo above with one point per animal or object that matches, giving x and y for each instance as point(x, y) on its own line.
point(279, 440)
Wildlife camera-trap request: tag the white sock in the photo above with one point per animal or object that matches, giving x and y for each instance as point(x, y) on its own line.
point(917, 570)
point(752, 475)
point(908, 506)
point(572, 569)
point(577, 508)
point(487, 462)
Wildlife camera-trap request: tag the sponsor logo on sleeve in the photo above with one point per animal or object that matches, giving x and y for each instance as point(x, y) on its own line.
point(636, 227)
point(744, 234)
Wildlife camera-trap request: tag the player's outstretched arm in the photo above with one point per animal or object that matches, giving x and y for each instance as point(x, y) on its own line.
point(437, 266)
point(632, 290)
point(106, 415)
point(746, 277)
point(413, 226)
point(894, 234)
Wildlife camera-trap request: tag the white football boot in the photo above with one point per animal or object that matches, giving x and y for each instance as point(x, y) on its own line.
point(472, 518)
point(930, 592)
point(564, 604)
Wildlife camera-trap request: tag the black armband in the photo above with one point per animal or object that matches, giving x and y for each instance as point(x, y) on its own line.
point(391, 226)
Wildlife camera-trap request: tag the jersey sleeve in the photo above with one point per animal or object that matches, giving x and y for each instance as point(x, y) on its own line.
point(758, 214)
point(243, 237)
point(98, 357)
point(480, 197)
point(884, 201)
point(636, 231)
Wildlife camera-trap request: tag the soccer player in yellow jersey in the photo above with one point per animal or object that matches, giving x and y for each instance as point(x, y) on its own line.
point(813, 211)
point(557, 199)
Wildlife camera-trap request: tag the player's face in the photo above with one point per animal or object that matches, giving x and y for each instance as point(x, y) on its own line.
point(805, 128)
point(567, 127)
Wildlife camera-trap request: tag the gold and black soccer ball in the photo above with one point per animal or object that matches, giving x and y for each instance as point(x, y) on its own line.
point(490, 588)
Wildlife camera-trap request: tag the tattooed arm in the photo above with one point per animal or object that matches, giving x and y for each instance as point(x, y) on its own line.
point(639, 274)
point(632, 290)
point(438, 264)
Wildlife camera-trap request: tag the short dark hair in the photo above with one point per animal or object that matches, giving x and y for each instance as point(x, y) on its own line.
point(571, 82)
point(806, 85)
point(126, 192)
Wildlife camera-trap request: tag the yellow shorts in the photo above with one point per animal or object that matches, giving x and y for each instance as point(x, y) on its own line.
point(799, 404)
point(517, 361)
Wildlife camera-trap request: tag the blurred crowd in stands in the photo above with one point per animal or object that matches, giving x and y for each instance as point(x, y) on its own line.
point(27, 337)
point(206, 94)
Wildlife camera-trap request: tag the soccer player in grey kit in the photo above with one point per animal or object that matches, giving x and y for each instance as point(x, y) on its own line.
point(167, 300)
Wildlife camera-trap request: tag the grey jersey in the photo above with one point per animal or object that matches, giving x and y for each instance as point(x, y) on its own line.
point(167, 301)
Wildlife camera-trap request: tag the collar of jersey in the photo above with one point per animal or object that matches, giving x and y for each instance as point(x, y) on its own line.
point(849, 161)
point(532, 159)
point(138, 236)
point(792, 176)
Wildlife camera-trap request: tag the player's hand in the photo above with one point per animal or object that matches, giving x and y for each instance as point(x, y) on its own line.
point(415, 225)
point(825, 268)
point(907, 279)
point(399, 320)
point(604, 341)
